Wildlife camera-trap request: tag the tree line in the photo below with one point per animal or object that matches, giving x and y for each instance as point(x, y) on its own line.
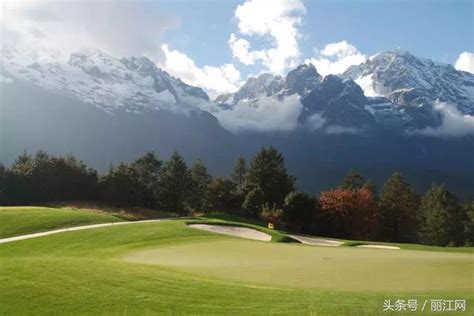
point(260, 188)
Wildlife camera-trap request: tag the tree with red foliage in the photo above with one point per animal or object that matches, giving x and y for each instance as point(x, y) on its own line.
point(349, 213)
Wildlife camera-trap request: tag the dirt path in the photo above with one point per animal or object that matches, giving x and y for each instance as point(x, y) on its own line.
point(316, 241)
point(62, 230)
point(243, 232)
point(238, 231)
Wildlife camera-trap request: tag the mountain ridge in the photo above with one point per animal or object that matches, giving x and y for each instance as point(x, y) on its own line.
point(392, 90)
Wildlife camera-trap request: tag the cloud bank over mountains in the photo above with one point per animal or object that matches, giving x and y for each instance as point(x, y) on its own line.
point(453, 122)
point(55, 29)
point(270, 114)
point(214, 80)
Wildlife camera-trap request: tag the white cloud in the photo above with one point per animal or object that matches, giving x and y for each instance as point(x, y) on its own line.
point(50, 29)
point(335, 58)
point(215, 80)
point(315, 121)
point(270, 114)
point(454, 123)
point(277, 20)
point(465, 62)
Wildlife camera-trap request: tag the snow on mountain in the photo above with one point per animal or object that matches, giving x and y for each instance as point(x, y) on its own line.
point(305, 97)
point(414, 82)
point(340, 102)
point(393, 90)
point(132, 84)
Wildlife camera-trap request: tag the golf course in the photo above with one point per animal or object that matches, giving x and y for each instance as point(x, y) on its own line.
point(171, 267)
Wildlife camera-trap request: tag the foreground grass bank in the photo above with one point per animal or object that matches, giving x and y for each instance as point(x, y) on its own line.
point(15, 221)
point(97, 272)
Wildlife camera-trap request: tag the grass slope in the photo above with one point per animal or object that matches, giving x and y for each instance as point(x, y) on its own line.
point(16, 221)
point(84, 272)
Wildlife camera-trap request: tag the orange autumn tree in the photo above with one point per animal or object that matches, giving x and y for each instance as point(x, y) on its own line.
point(349, 213)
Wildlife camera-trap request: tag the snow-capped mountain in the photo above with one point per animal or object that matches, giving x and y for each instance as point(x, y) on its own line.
point(412, 84)
point(300, 81)
point(332, 102)
point(131, 84)
point(393, 90)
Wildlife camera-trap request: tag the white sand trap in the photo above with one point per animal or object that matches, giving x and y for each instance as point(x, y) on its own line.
point(379, 247)
point(243, 232)
point(316, 241)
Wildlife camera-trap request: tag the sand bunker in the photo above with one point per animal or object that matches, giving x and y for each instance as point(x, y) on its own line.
point(243, 232)
point(379, 247)
point(316, 241)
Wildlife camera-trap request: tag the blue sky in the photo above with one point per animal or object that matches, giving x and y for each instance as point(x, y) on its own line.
point(438, 30)
point(216, 45)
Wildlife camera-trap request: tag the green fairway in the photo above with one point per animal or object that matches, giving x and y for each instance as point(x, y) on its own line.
point(16, 221)
point(197, 272)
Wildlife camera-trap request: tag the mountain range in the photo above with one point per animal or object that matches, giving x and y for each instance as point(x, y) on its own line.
point(395, 111)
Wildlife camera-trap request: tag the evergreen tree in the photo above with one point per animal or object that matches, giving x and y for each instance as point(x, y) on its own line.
point(268, 174)
point(222, 195)
point(119, 186)
point(440, 218)
point(3, 178)
point(468, 211)
point(239, 174)
point(370, 185)
point(398, 205)
point(200, 180)
point(146, 171)
point(254, 201)
point(353, 180)
point(300, 212)
point(175, 184)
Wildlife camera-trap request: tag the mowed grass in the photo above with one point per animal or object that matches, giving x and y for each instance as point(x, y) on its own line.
point(197, 272)
point(16, 221)
point(302, 266)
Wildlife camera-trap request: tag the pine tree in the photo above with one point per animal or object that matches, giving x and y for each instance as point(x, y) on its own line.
point(147, 171)
point(468, 212)
point(239, 174)
point(3, 178)
point(254, 202)
point(268, 174)
point(440, 218)
point(398, 206)
point(222, 196)
point(175, 184)
point(353, 180)
point(200, 181)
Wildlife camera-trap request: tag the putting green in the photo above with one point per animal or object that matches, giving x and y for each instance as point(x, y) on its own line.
point(309, 267)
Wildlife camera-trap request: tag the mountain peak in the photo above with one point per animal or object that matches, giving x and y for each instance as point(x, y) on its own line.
point(303, 79)
point(265, 84)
